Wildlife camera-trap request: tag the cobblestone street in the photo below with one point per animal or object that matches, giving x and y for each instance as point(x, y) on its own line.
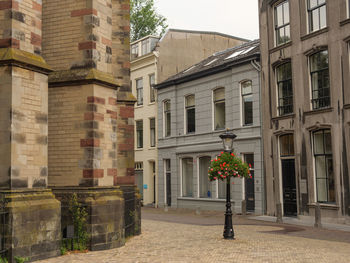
point(175, 237)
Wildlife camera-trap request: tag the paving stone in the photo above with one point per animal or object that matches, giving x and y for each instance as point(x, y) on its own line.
point(175, 242)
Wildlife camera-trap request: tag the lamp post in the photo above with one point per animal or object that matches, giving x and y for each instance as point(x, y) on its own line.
point(227, 140)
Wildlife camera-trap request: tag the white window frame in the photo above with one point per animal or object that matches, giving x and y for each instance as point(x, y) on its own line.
point(143, 143)
point(181, 174)
point(151, 88)
point(308, 14)
point(185, 114)
point(241, 103)
point(164, 119)
point(150, 133)
point(137, 92)
point(213, 108)
point(284, 25)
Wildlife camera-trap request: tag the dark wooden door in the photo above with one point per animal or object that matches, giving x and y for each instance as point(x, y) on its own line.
point(289, 188)
point(168, 189)
point(249, 194)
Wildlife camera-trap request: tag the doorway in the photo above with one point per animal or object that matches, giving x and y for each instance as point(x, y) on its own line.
point(249, 184)
point(289, 187)
point(167, 182)
point(289, 193)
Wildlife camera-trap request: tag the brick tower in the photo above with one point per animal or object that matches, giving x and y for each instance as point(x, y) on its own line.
point(24, 197)
point(86, 42)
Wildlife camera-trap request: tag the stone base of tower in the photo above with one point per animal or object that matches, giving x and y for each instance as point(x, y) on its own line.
point(32, 224)
point(105, 209)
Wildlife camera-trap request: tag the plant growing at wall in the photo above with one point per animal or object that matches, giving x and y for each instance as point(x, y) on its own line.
point(79, 217)
point(228, 165)
point(21, 260)
point(3, 260)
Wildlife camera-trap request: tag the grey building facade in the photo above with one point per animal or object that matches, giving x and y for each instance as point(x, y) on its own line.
point(305, 87)
point(194, 108)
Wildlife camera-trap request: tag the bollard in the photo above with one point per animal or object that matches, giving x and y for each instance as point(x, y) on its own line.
point(198, 210)
point(317, 216)
point(244, 207)
point(279, 213)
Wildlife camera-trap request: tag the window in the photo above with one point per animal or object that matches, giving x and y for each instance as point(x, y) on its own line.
point(348, 8)
point(167, 119)
point(282, 27)
point(204, 183)
point(187, 177)
point(317, 14)
point(152, 127)
point(320, 80)
point(139, 91)
point(222, 185)
point(247, 102)
point(285, 89)
point(324, 166)
point(145, 46)
point(219, 108)
point(152, 95)
point(139, 133)
point(134, 51)
point(287, 145)
point(190, 114)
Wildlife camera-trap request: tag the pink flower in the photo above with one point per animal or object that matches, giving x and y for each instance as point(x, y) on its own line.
point(235, 164)
point(215, 178)
point(211, 169)
point(226, 169)
point(234, 173)
point(222, 152)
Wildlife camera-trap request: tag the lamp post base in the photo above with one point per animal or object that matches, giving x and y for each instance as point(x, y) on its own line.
point(228, 229)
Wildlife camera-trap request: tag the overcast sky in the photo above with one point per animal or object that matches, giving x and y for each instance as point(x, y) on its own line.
point(233, 17)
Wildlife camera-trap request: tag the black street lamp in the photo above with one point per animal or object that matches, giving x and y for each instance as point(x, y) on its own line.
point(227, 140)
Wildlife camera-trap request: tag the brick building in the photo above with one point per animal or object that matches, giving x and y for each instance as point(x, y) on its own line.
point(305, 80)
point(66, 118)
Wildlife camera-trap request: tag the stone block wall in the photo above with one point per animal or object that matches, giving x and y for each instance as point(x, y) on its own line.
point(78, 34)
point(83, 136)
point(20, 25)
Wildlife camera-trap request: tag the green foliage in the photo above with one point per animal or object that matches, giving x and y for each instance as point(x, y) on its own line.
point(145, 20)
point(227, 165)
point(21, 260)
point(3, 260)
point(79, 217)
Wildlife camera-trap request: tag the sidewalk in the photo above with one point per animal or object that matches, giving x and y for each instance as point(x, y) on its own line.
point(302, 222)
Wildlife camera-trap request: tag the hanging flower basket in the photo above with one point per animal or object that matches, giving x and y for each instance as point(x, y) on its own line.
point(228, 165)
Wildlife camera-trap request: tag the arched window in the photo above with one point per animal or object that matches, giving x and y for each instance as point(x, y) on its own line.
point(247, 102)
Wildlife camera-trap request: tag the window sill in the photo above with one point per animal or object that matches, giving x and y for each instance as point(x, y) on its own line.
point(323, 110)
point(152, 148)
point(344, 22)
point(247, 125)
point(138, 106)
point(315, 33)
point(286, 116)
point(346, 106)
point(138, 149)
point(285, 45)
point(329, 206)
point(152, 103)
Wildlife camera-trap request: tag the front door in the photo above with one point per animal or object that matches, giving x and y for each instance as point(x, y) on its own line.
point(249, 194)
point(289, 187)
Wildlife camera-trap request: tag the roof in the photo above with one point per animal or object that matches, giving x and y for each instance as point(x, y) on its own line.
point(206, 32)
point(219, 61)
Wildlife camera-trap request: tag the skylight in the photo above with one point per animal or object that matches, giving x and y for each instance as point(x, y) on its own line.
point(241, 52)
point(189, 69)
point(211, 62)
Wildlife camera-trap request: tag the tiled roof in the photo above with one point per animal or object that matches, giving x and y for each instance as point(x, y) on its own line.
point(219, 61)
